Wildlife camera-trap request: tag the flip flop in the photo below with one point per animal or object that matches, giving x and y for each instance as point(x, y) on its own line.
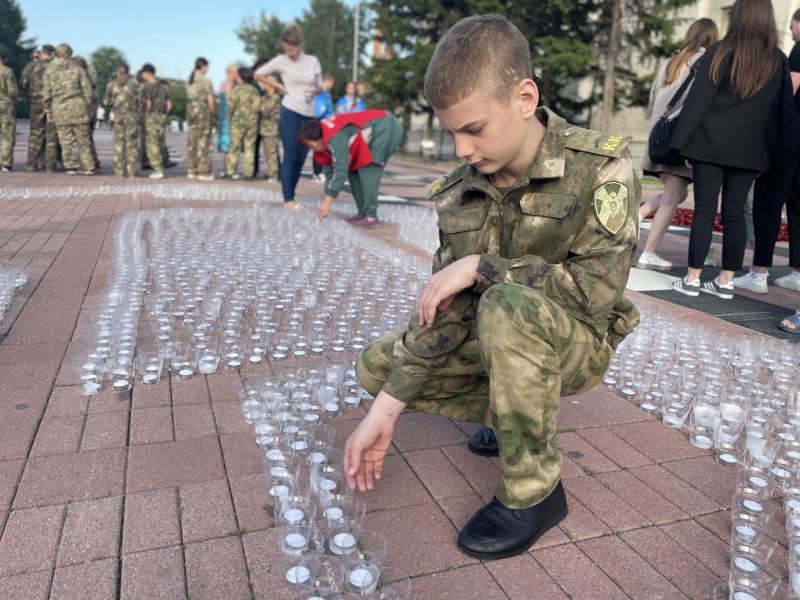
point(794, 320)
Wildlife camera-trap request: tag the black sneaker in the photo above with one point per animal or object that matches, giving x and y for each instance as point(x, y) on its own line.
point(720, 291)
point(690, 288)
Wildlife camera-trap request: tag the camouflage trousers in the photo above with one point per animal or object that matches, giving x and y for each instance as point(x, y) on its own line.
point(243, 139)
point(126, 146)
point(525, 352)
point(199, 150)
point(154, 132)
point(8, 133)
point(42, 140)
point(76, 145)
point(269, 147)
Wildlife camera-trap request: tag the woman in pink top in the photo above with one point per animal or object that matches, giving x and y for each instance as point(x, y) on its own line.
point(301, 81)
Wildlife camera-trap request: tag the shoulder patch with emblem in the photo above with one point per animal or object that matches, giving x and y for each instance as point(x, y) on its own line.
point(595, 142)
point(446, 181)
point(610, 204)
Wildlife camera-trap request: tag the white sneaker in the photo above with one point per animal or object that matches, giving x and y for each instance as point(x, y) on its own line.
point(191, 176)
point(714, 288)
point(157, 175)
point(318, 178)
point(651, 260)
point(205, 177)
point(790, 281)
point(753, 282)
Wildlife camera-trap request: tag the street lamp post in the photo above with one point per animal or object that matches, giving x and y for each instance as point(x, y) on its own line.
point(356, 27)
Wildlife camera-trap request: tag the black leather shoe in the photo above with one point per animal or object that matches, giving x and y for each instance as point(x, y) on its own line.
point(499, 532)
point(484, 443)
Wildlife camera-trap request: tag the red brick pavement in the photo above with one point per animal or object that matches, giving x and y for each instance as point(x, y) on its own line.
point(160, 494)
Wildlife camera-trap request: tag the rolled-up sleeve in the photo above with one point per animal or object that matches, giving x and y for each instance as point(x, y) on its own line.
point(339, 149)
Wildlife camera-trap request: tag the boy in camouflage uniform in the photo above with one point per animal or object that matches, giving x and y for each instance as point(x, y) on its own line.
point(537, 232)
point(245, 106)
point(157, 106)
point(42, 139)
point(81, 62)
point(268, 129)
point(67, 98)
point(122, 96)
point(9, 94)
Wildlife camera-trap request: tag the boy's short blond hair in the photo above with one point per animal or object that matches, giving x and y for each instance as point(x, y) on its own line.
point(484, 51)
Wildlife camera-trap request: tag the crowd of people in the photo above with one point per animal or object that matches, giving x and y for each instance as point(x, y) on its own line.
point(736, 132)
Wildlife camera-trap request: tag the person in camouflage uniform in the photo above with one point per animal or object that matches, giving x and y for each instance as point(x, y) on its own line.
point(42, 138)
point(245, 107)
point(123, 97)
point(157, 106)
point(163, 135)
point(81, 62)
point(9, 94)
point(537, 233)
point(67, 98)
point(200, 115)
point(268, 129)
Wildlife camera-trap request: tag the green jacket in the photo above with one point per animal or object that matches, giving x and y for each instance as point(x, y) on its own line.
point(568, 227)
point(245, 106)
point(123, 98)
point(67, 92)
point(9, 94)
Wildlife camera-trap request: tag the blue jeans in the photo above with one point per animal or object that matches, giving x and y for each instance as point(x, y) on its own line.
point(293, 155)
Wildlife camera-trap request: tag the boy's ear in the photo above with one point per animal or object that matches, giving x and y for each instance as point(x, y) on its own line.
point(528, 94)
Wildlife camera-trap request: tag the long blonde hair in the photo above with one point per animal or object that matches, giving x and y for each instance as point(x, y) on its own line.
point(752, 39)
point(702, 34)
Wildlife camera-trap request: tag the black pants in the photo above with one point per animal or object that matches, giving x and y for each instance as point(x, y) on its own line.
point(771, 193)
point(735, 184)
point(317, 167)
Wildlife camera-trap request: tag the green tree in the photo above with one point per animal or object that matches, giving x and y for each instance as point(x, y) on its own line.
point(12, 28)
point(179, 97)
point(104, 61)
point(261, 36)
point(569, 39)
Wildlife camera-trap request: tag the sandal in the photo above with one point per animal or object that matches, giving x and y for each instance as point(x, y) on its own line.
point(795, 323)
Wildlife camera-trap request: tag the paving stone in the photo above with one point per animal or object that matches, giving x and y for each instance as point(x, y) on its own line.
point(688, 574)
point(619, 451)
point(105, 430)
point(397, 475)
point(700, 543)
point(263, 561)
point(110, 401)
point(457, 584)
point(152, 396)
point(405, 527)
point(461, 509)
point(656, 441)
point(438, 474)
point(71, 477)
point(170, 464)
point(643, 499)
point(604, 504)
point(605, 407)
point(10, 471)
point(91, 531)
point(17, 432)
point(570, 417)
point(206, 511)
point(150, 426)
point(706, 475)
point(679, 493)
point(223, 386)
point(521, 575)
point(193, 421)
point(66, 402)
point(627, 569)
point(30, 539)
point(586, 456)
point(241, 454)
point(30, 586)
point(153, 574)
point(578, 576)
point(151, 521)
point(230, 420)
point(479, 471)
point(88, 581)
point(250, 499)
point(217, 569)
point(569, 468)
point(190, 391)
point(580, 523)
point(719, 523)
point(417, 431)
point(58, 435)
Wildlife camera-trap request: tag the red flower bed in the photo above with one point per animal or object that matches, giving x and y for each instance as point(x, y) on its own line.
point(683, 218)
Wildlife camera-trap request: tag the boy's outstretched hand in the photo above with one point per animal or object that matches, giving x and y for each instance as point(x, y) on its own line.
point(444, 285)
point(368, 445)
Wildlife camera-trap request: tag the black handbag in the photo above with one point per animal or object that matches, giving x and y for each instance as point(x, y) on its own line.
point(664, 130)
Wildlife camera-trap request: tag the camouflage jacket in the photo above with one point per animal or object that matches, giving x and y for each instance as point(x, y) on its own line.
point(123, 98)
point(67, 92)
point(32, 79)
point(270, 114)
point(157, 93)
point(245, 106)
point(568, 227)
point(197, 108)
point(8, 90)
